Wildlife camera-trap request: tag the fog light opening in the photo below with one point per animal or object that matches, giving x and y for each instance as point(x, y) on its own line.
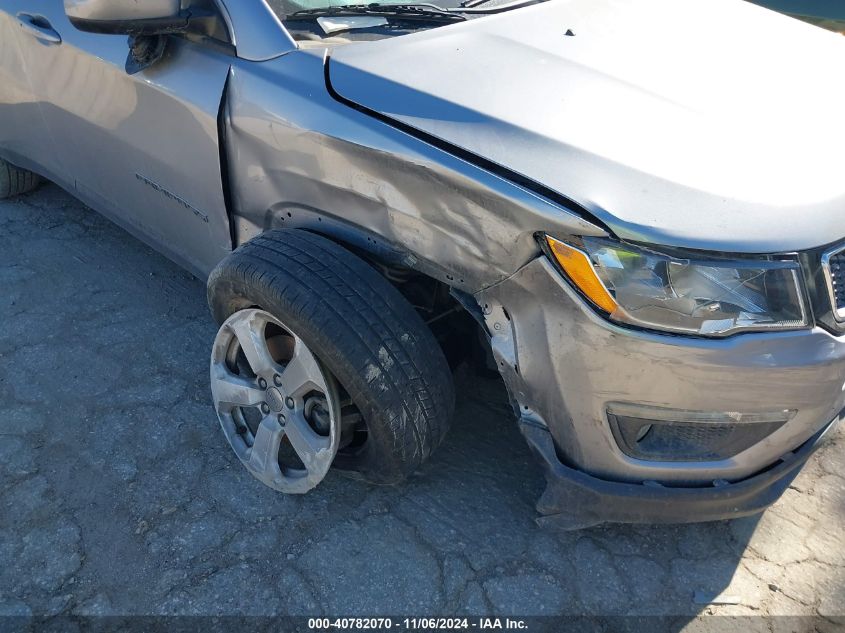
point(670, 435)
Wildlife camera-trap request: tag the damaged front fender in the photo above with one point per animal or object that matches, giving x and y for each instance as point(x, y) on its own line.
point(299, 158)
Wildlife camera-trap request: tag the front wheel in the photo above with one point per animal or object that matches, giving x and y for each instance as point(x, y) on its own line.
point(378, 395)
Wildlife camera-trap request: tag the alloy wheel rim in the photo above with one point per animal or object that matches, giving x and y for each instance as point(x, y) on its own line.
point(278, 407)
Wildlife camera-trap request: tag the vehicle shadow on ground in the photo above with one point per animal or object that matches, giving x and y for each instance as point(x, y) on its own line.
point(127, 498)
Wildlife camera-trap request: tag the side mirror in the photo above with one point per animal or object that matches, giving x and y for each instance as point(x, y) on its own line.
point(128, 17)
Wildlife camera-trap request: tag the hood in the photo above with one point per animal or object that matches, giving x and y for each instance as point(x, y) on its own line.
point(710, 124)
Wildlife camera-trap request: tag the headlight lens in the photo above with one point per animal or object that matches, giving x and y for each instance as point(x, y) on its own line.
point(690, 296)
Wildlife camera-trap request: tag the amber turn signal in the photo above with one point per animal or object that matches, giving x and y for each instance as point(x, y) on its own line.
point(579, 269)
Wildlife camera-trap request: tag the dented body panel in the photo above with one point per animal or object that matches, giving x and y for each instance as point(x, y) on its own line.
point(592, 362)
point(321, 165)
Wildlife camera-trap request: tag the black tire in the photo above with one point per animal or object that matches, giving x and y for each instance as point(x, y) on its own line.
point(15, 181)
point(362, 329)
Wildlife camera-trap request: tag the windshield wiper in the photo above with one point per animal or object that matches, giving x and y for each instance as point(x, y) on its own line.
point(413, 11)
point(468, 6)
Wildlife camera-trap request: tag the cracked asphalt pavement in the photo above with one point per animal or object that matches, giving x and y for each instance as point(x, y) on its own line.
point(119, 494)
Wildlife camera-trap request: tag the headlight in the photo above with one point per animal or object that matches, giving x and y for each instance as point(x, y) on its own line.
point(686, 295)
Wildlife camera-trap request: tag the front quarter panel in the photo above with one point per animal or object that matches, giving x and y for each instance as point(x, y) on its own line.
point(300, 158)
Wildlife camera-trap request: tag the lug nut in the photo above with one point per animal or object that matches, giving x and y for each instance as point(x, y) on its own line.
point(265, 408)
point(282, 419)
point(289, 402)
point(277, 380)
point(262, 383)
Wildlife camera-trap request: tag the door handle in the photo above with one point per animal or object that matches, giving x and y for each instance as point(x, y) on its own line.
point(39, 27)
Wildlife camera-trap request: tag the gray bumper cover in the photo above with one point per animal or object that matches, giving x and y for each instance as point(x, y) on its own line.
point(575, 500)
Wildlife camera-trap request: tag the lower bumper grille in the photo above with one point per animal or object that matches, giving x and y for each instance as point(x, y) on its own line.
point(684, 436)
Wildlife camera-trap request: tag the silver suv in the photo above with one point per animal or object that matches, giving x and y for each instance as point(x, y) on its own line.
point(634, 211)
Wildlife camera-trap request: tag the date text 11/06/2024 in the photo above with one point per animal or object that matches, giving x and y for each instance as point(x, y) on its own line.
point(417, 623)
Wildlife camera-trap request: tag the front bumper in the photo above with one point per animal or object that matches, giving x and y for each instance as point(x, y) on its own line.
point(574, 500)
point(564, 365)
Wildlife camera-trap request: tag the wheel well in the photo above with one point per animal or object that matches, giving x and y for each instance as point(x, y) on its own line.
point(460, 336)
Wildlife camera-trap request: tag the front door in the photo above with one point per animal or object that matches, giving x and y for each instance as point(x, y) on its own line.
point(24, 139)
point(143, 148)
